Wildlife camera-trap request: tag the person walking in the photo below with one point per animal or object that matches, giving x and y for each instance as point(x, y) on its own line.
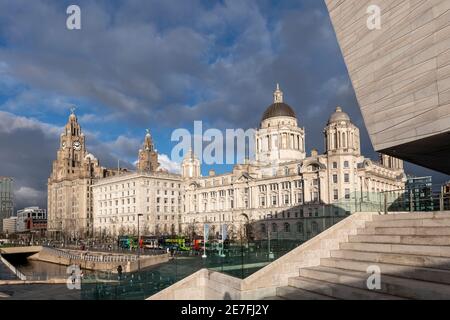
point(119, 271)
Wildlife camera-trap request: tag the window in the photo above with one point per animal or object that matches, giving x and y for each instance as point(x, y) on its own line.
point(336, 195)
point(263, 228)
point(335, 178)
point(274, 200)
point(262, 201)
point(300, 227)
point(315, 227)
point(286, 199)
point(299, 197)
point(274, 227)
point(346, 165)
point(315, 196)
point(347, 194)
point(287, 227)
point(335, 165)
point(346, 178)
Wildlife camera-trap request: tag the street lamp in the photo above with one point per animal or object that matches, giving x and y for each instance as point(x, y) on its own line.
point(139, 243)
point(269, 216)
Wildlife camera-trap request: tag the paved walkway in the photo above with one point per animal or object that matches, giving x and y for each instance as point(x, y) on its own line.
point(38, 292)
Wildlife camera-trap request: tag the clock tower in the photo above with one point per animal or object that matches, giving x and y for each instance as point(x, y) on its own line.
point(148, 156)
point(74, 171)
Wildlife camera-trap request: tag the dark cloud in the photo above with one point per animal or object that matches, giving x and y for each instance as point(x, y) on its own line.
point(166, 63)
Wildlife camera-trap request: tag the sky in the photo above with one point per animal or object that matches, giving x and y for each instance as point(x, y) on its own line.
point(161, 65)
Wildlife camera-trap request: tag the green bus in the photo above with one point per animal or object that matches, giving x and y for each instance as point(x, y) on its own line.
point(127, 242)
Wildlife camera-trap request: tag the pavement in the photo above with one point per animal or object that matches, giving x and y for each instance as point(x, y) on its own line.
point(38, 292)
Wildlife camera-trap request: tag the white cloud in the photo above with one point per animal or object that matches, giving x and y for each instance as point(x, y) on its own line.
point(168, 164)
point(10, 123)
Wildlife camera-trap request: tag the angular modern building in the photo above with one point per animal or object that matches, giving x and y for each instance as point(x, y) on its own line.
point(6, 199)
point(400, 71)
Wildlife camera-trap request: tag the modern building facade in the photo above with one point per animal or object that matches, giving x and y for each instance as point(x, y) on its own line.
point(6, 199)
point(400, 71)
point(32, 219)
point(419, 193)
point(284, 190)
point(10, 225)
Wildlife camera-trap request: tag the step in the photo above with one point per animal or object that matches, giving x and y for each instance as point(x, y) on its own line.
point(292, 293)
point(412, 215)
point(338, 291)
point(397, 239)
point(394, 258)
point(432, 222)
point(406, 231)
point(410, 272)
point(437, 251)
point(401, 287)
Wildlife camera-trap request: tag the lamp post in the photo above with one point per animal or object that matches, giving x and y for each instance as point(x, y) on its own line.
point(270, 254)
point(139, 242)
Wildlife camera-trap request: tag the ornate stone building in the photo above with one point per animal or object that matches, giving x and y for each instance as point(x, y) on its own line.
point(293, 195)
point(151, 194)
point(69, 203)
point(283, 190)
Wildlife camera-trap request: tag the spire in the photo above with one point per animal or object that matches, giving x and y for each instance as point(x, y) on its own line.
point(278, 95)
point(72, 116)
point(148, 143)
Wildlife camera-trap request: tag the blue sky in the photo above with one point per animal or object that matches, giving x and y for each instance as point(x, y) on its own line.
point(160, 65)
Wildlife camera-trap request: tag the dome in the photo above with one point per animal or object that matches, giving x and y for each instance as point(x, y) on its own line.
point(90, 157)
point(338, 116)
point(278, 108)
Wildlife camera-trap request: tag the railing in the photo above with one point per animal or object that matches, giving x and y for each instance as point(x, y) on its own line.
point(98, 258)
point(19, 274)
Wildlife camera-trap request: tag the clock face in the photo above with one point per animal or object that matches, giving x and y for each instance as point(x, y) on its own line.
point(77, 145)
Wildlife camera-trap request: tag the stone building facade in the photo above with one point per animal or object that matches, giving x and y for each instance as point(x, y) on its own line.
point(282, 190)
point(151, 194)
point(69, 202)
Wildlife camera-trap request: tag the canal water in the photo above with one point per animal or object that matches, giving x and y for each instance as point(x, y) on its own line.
point(140, 285)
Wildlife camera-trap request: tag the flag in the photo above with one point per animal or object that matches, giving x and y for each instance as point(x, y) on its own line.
point(206, 232)
point(224, 232)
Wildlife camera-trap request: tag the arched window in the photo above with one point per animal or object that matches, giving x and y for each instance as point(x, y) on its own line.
point(274, 227)
point(300, 227)
point(287, 227)
point(315, 227)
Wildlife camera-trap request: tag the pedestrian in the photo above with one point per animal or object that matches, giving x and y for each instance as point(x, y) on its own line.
point(119, 271)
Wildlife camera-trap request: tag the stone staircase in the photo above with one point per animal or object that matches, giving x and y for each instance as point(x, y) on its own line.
point(412, 251)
